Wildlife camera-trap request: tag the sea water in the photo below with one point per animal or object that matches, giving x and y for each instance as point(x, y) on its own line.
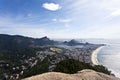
point(109, 55)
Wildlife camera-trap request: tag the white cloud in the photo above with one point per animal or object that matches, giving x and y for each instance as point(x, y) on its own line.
point(62, 20)
point(114, 13)
point(65, 20)
point(51, 6)
point(29, 14)
point(54, 20)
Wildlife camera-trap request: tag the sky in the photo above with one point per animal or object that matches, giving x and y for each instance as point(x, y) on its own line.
point(63, 19)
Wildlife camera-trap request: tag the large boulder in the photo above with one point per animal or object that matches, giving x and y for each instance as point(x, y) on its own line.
point(81, 75)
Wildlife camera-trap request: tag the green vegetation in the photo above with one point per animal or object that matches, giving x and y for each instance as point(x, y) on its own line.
point(41, 67)
point(72, 66)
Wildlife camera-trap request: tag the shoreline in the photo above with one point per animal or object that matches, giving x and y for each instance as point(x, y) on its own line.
point(94, 55)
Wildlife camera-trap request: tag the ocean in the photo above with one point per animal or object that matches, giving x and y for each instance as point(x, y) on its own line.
point(109, 55)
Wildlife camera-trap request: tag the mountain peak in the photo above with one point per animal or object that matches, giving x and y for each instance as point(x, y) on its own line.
point(73, 41)
point(45, 38)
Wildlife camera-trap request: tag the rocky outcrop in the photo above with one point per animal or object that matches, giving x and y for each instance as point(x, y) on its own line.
point(81, 75)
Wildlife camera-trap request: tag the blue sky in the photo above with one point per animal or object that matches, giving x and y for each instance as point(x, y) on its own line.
point(61, 18)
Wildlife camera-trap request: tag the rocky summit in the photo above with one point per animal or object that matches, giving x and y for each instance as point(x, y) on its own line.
point(81, 75)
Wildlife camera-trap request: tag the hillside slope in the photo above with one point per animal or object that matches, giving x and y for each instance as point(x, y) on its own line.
point(81, 75)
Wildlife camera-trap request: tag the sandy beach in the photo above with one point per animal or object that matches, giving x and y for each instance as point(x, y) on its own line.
point(94, 56)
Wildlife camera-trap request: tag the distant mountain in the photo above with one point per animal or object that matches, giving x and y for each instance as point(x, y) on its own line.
point(74, 42)
point(9, 42)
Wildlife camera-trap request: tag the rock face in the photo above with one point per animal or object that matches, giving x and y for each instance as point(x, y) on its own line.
point(81, 75)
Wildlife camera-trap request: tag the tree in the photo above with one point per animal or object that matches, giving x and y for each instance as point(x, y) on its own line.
point(72, 66)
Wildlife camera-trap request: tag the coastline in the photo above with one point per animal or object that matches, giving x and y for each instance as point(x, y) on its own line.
point(94, 55)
